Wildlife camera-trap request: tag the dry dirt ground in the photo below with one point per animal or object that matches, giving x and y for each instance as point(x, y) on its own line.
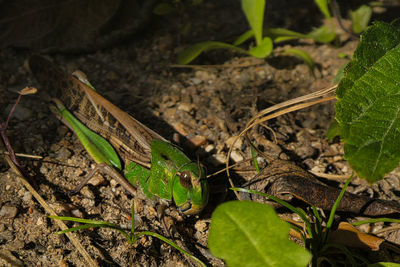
point(199, 108)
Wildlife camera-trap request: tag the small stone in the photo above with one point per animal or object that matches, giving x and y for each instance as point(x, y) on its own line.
point(185, 107)
point(217, 159)
point(201, 226)
point(236, 157)
point(77, 213)
point(196, 81)
point(230, 140)
point(113, 183)
point(63, 154)
point(209, 148)
point(20, 113)
point(39, 221)
point(27, 197)
point(198, 140)
point(97, 180)
point(87, 192)
point(62, 130)
point(180, 128)
point(88, 202)
point(8, 212)
point(151, 211)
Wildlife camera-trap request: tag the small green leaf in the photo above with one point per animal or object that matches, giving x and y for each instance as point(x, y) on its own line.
point(281, 34)
point(254, 11)
point(368, 106)
point(190, 53)
point(333, 131)
point(361, 18)
point(163, 9)
point(339, 74)
point(302, 55)
point(384, 264)
point(243, 37)
point(263, 50)
point(323, 34)
point(251, 234)
point(323, 7)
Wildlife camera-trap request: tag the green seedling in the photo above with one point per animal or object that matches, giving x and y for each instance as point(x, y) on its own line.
point(254, 11)
point(118, 142)
point(264, 37)
point(242, 236)
point(131, 236)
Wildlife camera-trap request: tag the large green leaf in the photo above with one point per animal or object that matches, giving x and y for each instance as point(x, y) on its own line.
point(247, 233)
point(254, 11)
point(384, 264)
point(368, 106)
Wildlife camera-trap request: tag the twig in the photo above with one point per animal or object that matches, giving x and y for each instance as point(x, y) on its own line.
point(50, 211)
point(19, 171)
point(276, 111)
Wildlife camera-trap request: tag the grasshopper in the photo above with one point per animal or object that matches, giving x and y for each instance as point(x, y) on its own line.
point(120, 143)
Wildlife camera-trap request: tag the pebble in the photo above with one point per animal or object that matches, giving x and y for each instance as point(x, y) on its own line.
point(63, 154)
point(8, 212)
point(196, 81)
point(238, 143)
point(77, 213)
point(236, 156)
point(198, 140)
point(20, 113)
point(87, 192)
point(201, 226)
point(185, 107)
point(27, 197)
point(217, 159)
point(97, 180)
point(209, 148)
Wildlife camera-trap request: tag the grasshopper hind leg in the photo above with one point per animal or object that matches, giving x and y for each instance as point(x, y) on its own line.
point(105, 169)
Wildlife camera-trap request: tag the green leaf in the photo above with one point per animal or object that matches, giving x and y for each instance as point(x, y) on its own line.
point(251, 234)
point(323, 34)
point(323, 7)
point(190, 53)
point(384, 264)
point(368, 106)
point(263, 50)
point(243, 37)
point(361, 18)
point(254, 11)
point(163, 9)
point(339, 74)
point(333, 131)
point(302, 55)
point(281, 34)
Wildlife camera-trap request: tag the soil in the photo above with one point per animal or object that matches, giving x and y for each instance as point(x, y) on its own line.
point(199, 108)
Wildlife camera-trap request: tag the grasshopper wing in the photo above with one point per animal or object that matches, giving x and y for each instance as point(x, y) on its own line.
point(128, 136)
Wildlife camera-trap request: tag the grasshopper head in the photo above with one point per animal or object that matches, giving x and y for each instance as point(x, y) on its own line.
point(190, 189)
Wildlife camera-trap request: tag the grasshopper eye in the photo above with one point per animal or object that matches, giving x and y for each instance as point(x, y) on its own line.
point(185, 178)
